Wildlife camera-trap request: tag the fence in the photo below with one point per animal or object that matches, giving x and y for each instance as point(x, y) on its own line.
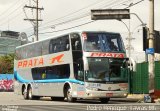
point(139, 79)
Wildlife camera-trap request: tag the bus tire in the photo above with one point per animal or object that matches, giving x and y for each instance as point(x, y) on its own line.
point(30, 96)
point(69, 96)
point(25, 93)
point(104, 100)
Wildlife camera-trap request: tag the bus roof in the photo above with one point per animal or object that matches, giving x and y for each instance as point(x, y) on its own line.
point(58, 35)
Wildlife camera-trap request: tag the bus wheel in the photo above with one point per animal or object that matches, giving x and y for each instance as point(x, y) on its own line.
point(25, 93)
point(69, 95)
point(30, 93)
point(104, 100)
point(30, 96)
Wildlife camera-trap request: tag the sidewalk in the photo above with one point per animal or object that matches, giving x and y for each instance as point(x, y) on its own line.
point(131, 98)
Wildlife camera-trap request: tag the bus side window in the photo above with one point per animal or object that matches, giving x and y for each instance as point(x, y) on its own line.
point(58, 45)
point(67, 47)
point(52, 46)
point(73, 45)
point(78, 70)
point(45, 47)
point(65, 44)
point(77, 45)
point(75, 41)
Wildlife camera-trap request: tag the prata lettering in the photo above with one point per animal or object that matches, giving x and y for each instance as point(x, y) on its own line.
point(114, 55)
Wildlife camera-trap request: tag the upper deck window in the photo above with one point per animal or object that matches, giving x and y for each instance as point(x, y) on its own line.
point(59, 44)
point(103, 42)
point(76, 42)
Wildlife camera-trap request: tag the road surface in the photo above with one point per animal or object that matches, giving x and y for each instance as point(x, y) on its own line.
point(12, 102)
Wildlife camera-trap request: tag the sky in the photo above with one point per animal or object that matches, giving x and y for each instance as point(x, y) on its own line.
point(63, 14)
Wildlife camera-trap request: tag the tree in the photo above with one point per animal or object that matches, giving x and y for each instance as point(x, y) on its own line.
point(6, 64)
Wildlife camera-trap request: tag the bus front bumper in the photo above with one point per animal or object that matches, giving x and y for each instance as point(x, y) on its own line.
point(106, 94)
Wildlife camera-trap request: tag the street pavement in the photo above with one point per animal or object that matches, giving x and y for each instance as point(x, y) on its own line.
point(9, 98)
point(12, 102)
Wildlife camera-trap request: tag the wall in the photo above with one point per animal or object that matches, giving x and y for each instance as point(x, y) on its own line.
point(6, 82)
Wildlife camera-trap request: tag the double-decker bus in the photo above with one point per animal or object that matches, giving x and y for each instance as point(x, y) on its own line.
point(76, 65)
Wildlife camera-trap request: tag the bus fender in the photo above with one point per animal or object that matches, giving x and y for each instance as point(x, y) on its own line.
point(68, 83)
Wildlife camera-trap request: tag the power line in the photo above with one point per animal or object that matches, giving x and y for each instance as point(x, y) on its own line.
point(11, 13)
point(86, 22)
point(72, 13)
point(135, 3)
point(73, 19)
point(4, 12)
point(76, 18)
point(35, 22)
point(67, 21)
point(74, 26)
point(79, 18)
point(13, 18)
point(66, 28)
point(122, 3)
point(87, 14)
point(69, 27)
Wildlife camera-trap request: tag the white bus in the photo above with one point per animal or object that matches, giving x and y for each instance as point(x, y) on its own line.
point(76, 65)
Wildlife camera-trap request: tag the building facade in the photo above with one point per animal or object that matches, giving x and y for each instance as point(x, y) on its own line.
point(9, 40)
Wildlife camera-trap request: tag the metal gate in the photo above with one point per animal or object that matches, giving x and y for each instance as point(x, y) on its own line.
point(139, 78)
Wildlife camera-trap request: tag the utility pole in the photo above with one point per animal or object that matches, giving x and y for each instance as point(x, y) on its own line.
point(129, 41)
point(129, 47)
point(36, 20)
point(129, 38)
point(151, 45)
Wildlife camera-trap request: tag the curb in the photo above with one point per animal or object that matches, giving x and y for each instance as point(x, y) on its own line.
point(125, 100)
point(130, 98)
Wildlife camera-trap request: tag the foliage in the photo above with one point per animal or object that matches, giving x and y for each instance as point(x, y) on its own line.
point(6, 64)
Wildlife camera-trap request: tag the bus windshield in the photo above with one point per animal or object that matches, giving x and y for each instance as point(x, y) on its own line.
point(103, 42)
point(105, 70)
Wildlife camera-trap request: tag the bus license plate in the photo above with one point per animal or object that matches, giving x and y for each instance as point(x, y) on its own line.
point(109, 94)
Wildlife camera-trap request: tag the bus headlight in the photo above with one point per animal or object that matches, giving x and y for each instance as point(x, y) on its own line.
point(125, 94)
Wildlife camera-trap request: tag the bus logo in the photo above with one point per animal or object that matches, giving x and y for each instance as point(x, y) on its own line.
point(30, 63)
point(39, 61)
point(57, 58)
point(115, 55)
